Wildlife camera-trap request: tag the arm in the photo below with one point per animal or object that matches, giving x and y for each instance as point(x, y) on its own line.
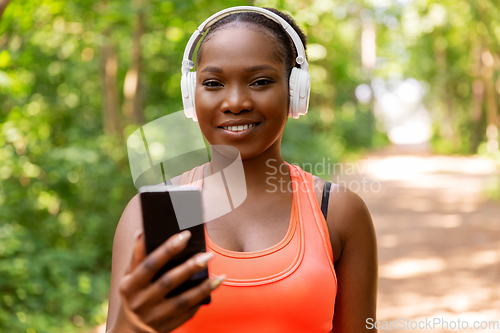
point(123, 248)
point(356, 264)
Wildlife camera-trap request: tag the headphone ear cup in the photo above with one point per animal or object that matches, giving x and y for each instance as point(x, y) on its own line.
point(188, 86)
point(300, 87)
point(304, 84)
point(292, 84)
point(192, 81)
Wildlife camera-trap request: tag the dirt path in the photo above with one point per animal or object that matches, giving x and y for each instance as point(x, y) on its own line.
point(438, 239)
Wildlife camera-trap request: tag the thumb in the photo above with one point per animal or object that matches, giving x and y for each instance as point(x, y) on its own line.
point(139, 251)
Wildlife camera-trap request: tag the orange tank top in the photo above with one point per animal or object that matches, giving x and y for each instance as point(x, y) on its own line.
point(289, 287)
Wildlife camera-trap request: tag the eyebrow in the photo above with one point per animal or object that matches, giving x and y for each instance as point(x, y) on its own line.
point(259, 67)
point(256, 68)
point(212, 69)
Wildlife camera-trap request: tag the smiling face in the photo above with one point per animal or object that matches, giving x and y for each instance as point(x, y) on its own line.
point(241, 95)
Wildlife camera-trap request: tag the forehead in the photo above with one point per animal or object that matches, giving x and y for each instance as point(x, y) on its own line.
point(240, 44)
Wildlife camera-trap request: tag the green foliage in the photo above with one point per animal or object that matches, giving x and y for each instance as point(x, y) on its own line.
point(450, 44)
point(63, 184)
point(60, 211)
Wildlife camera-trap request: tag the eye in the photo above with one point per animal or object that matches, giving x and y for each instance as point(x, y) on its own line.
point(262, 82)
point(212, 84)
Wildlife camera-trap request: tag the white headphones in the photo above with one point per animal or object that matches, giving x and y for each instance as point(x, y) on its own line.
point(300, 80)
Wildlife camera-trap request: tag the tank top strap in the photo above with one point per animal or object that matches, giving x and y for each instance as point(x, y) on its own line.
point(309, 201)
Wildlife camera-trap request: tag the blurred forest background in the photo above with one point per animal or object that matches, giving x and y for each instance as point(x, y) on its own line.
point(77, 77)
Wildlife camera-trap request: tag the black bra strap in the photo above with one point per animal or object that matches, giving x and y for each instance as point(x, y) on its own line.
point(324, 200)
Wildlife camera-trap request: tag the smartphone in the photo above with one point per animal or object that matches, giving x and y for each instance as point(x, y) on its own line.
point(166, 211)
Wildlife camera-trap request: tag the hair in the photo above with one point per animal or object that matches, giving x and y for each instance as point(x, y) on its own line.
point(285, 50)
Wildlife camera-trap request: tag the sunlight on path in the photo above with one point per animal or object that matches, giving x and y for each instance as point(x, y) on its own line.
point(438, 238)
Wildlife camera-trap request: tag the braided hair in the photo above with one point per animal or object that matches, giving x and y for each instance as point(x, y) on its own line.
point(285, 51)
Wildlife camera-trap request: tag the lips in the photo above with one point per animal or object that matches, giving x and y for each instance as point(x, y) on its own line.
point(238, 129)
point(238, 125)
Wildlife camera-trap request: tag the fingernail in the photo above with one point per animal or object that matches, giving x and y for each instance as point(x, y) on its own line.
point(202, 259)
point(185, 233)
point(182, 237)
point(217, 281)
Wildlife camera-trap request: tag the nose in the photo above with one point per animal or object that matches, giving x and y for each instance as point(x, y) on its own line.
point(237, 98)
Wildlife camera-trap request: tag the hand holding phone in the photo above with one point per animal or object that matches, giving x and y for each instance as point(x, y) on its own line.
point(144, 306)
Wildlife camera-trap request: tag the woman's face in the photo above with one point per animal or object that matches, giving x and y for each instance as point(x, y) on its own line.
point(241, 93)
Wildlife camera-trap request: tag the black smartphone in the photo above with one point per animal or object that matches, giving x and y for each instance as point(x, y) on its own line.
point(166, 211)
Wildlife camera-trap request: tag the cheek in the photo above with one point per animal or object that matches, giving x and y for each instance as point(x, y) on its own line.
point(204, 111)
point(276, 100)
point(202, 103)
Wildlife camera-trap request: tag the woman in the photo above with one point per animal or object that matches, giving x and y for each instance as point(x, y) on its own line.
point(277, 249)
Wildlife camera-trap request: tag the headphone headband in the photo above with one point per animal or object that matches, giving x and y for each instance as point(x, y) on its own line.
point(187, 61)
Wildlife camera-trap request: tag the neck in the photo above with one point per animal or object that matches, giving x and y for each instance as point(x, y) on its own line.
point(266, 173)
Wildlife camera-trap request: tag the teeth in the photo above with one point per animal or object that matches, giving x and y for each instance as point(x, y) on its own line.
point(238, 128)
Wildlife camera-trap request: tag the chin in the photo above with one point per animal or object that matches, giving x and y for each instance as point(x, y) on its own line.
point(233, 151)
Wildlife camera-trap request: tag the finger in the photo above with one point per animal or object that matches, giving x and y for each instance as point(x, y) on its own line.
point(169, 324)
point(148, 267)
point(139, 251)
point(194, 296)
point(191, 298)
point(176, 276)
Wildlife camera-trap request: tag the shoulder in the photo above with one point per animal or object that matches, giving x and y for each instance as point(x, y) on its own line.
point(348, 218)
point(130, 222)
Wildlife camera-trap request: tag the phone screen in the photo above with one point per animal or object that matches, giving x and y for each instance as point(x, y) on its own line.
point(161, 222)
